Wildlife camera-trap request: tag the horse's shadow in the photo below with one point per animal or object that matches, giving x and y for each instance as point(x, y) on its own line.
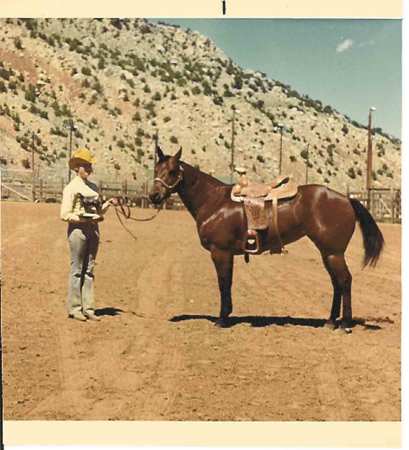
point(266, 321)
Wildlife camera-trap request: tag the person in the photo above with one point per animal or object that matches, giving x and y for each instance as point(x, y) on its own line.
point(82, 209)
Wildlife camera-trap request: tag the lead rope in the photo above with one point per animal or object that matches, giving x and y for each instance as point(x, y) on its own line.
point(123, 209)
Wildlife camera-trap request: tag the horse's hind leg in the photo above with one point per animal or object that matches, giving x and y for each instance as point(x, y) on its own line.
point(339, 272)
point(336, 300)
point(223, 261)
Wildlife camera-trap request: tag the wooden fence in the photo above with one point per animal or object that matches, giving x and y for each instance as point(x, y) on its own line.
point(50, 191)
point(384, 204)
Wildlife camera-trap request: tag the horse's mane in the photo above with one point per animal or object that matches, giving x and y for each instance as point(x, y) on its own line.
point(212, 180)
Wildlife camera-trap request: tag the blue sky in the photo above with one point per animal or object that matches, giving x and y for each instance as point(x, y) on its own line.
point(349, 64)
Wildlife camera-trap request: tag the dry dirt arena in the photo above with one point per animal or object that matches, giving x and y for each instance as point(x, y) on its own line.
point(156, 354)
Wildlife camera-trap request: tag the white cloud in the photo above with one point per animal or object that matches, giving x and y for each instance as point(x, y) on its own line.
point(345, 45)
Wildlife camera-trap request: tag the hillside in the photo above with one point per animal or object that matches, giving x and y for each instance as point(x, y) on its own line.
point(121, 80)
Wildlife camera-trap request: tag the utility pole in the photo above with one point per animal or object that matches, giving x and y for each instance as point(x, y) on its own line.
point(33, 180)
point(369, 159)
point(70, 125)
point(232, 146)
point(155, 156)
point(281, 127)
point(307, 163)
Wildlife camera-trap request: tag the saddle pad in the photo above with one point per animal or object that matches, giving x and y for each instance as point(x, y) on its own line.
point(257, 218)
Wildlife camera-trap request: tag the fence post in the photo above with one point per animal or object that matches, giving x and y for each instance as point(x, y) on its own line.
point(100, 188)
point(41, 189)
point(145, 193)
point(393, 205)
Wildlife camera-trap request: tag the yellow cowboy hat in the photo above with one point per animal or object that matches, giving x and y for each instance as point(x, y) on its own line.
point(81, 156)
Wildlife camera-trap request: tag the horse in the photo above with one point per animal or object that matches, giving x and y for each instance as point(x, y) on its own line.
point(325, 216)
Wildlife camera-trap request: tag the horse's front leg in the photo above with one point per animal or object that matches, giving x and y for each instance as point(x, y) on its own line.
point(223, 261)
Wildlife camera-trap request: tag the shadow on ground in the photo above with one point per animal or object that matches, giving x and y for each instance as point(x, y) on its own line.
point(265, 321)
point(108, 311)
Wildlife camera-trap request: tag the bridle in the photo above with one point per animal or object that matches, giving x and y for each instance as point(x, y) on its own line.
point(171, 186)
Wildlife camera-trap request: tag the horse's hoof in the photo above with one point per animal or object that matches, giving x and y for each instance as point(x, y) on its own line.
point(220, 323)
point(330, 325)
point(345, 330)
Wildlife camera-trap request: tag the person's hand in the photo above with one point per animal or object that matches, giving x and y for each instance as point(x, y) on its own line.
point(113, 201)
point(75, 218)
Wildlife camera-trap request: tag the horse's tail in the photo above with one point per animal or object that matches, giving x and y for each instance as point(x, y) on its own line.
point(372, 235)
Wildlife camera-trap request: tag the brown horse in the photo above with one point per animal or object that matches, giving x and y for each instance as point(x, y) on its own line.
point(325, 216)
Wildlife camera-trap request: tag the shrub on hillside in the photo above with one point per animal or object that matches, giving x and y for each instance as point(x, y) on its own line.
point(26, 163)
point(30, 94)
point(137, 117)
point(156, 96)
point(86, 71)
point(351, 173)
point(217, 100)
point(304, 154)
point(196, 90)
point(18, 44)
point(345, 129)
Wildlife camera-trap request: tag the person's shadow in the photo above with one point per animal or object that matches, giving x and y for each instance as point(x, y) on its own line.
point(108, 311)
point(265, 321)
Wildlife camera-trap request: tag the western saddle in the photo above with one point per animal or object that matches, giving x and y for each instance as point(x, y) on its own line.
point(260, 203)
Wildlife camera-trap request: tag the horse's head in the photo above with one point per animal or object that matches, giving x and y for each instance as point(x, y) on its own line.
point(169, 174)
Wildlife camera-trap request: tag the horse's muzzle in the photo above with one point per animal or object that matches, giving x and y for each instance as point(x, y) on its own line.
point(156, 198)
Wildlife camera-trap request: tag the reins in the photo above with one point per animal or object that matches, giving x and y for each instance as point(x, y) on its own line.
point(123, 209)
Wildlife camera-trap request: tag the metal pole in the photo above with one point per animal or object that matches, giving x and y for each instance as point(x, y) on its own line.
point(71, 124)
point(41, 189)
point(232, 147)
point(369, 161)
point(155, 156)
point(281, 150)
point(307, 164)
point(33, 187)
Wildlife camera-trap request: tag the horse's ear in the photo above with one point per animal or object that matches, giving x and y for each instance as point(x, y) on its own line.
point(159, 152)
point(178, 154)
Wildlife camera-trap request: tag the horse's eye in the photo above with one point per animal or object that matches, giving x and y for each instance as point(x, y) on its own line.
point(172, 172)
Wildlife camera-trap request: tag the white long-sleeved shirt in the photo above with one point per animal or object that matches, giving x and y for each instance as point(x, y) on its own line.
point(71, 208)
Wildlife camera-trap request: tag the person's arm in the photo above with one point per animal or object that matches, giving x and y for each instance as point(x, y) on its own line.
point(66, 213)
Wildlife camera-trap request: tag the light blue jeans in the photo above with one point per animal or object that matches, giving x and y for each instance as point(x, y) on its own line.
point(83, 241)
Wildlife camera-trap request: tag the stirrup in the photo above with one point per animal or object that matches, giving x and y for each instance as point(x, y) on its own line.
point(252, 242)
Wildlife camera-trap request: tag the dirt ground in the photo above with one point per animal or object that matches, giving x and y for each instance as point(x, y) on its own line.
point(156, 354)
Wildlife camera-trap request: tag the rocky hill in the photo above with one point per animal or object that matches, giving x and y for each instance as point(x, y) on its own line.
point(120, 81)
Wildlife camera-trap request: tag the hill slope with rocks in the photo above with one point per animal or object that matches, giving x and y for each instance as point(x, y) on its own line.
point(120, 81)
